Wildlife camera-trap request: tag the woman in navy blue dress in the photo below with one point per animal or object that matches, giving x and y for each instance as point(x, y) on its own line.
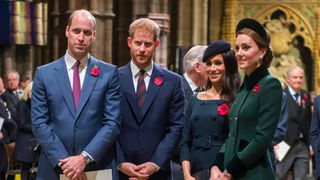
point(206, 123)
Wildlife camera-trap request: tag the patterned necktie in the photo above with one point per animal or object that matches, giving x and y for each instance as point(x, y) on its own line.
point(76, 84)
point(141, 88)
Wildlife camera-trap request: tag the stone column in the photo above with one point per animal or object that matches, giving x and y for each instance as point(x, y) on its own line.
point(184, 32)
point(200, 22)
point(103, 12)
point(157, 11)
point(162, 20)
point(55, 29)
point(215, 13)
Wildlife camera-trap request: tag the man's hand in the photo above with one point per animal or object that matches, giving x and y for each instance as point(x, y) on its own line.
point(215, 173)
point(131, 170)
point(147, 168)
point(73, 166)
point(1, 135)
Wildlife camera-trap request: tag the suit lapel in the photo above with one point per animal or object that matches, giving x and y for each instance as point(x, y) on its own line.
point(128, 89)
point(64, 84)
point(88, 85)
point(187, 89)
point(152, 89)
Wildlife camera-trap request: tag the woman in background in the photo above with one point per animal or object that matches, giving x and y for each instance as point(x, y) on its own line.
point(206, 122)
point(26, 145)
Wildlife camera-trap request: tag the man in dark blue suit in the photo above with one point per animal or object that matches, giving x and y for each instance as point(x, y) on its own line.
point(152, 108)
point(315, 134)
point(298, 127)
point(76, 107)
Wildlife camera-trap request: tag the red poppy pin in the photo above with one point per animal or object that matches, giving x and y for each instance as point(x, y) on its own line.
point(305, 97)
point(223, 109)
point(158, 81)
point(256, 88)
point(95, 71)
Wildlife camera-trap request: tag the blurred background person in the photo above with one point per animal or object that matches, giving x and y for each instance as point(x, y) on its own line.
point(26, 151)
point(26, 78)
point(195, 76)
point(206, 123)
point(8, 126)
point(253, 117)
point(13, 81)
point(298, 127)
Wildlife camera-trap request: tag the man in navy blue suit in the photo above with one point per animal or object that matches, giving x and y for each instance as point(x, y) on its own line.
point(152, 108)
point(315, 134)
point(76, 107)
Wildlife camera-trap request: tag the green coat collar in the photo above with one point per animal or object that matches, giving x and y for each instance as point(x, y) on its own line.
point(254, 78)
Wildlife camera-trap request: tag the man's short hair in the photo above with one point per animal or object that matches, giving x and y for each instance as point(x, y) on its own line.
point(294, 68)
point(144, 23)
point(85, 13)
point(193, 56)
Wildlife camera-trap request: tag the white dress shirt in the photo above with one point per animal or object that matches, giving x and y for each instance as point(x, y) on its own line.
point(70, 62)
point(292, 92)
point(136, 72)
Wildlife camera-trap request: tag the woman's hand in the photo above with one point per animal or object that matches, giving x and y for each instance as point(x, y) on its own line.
point(215, 173)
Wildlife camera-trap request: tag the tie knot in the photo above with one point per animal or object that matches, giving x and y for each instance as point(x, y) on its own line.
point(142, 71)
point(296, 96)
point(77, 64)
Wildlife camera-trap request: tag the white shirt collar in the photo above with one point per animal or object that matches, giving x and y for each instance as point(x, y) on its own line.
point(292, 92)
point(70, 61)
point(135, 70)
point(192, 85)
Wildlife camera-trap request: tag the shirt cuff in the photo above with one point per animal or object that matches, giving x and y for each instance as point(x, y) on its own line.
point(156, 166)
point(84, 152)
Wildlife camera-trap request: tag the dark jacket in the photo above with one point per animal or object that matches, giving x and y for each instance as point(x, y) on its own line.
point(299, 118)
point(253, 120)
point(26, 143)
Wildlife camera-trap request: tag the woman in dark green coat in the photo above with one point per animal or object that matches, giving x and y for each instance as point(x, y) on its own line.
point(255, 113)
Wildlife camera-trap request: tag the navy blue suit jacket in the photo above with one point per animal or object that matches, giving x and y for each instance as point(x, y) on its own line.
point(61, 129)
point(315, 133)
point(152, 137)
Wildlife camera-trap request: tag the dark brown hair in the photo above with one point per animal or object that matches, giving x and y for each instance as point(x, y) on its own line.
point(231, 78)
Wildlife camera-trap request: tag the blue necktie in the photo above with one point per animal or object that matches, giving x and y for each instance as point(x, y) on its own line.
point(296, 97)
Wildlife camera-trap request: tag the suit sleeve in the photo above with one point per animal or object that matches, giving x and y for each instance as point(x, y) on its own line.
point(50, 143)
point(282, 124)
point(167, 146)
point(315, 131)
point(105, 138)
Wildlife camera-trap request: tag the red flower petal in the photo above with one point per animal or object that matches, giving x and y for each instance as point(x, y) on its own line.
point(158, 81)
point(223, 109)
point(95, 71)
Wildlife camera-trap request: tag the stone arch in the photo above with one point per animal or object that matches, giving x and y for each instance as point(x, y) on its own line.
point(292, 39)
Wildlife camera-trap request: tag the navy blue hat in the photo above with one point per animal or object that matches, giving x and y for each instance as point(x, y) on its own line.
point(255, 26)
point(217, 47)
